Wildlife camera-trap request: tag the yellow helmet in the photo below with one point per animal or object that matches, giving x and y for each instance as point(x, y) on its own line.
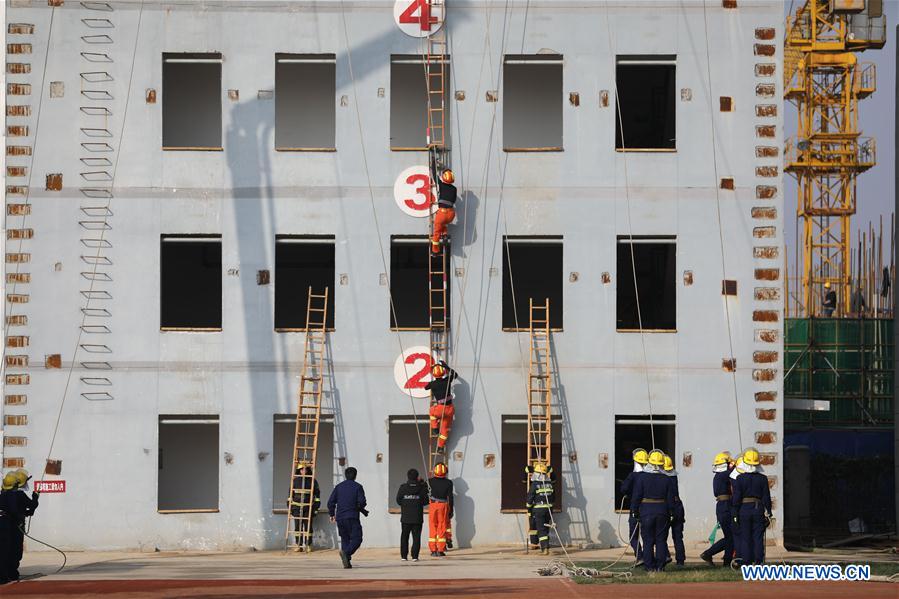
point(722, 458)
point(21, 476)
point(669, 464)
point(656, 458)
point(437, 371)
point(440, 470)
point(640, 456)
point(541, 468)
point(827, 284)
point(751, 457)
point(9, 481)
point(447, 176)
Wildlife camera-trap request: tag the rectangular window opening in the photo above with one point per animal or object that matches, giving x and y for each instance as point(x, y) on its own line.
point(409, 102)
point(409, 289)
point(532, 270)
point(302, 262)
point(282, 459)
point(407, 437)
point(305, 102)
point(188, 478)
point(655, 261)
point(632, 432)
point(533, 102)
point(645, 118)
point(191, 282)
point(514, 458)
point(192, 101)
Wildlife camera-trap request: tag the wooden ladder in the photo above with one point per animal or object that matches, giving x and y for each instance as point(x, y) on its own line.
point(438, 329)
point(539, 386)
point(435, 69)
point(309, 405)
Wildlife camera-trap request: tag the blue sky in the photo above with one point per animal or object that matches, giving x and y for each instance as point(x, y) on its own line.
point(876, 188)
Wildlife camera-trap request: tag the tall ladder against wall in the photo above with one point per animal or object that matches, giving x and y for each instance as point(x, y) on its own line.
point(435, 75)
point(539, 386)
point(96, 173)
point(309, 407)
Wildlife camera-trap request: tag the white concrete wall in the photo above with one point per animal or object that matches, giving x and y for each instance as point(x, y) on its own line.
point(248, 193)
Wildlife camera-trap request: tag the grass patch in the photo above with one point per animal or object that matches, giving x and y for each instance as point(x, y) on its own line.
point(703, 572)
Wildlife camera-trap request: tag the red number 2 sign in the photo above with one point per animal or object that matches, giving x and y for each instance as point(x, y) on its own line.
point(412, 371)
point(418, 18)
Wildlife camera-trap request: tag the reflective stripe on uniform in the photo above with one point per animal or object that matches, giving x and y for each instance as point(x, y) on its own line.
point(441, 437)
point(532, 532)
point(543, 505)
point(546, 538)
point(432, 540)
point(441, 540)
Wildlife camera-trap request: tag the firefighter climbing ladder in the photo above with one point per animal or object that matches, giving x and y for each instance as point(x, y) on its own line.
point(309, 405)
point(435, 76)
point(539, 386)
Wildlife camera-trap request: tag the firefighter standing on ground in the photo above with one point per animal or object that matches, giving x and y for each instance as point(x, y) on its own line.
point(641, 458)
point(540, 502)
point(446, 208)
point(529, 475)
point(15, 507)
point(722, 466)
point(653, 505)
point(440, 510)
point(752, 509)
point(677, 517)
point(442, 411)
point(300, 506)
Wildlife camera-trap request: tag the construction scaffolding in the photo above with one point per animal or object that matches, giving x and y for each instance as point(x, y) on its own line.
point(825, 81)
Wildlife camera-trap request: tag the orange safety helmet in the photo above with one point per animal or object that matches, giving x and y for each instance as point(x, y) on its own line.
point(438, 371)
point(440, 470)
point(447, 176)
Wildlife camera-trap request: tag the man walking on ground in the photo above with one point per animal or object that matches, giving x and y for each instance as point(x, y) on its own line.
point(412, 496)
point(347, 501)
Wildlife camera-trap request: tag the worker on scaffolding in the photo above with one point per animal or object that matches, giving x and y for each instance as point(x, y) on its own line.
point(722, 466)
point(442, 411)
point(302, 509)
point(653, 506)
point(541, 496)
point(678, 517)
point(641, 458)
point(15, 507)
point(830, 300)
point(752, 508)
point(529, 475)
point(446, 206)
point(440, 509)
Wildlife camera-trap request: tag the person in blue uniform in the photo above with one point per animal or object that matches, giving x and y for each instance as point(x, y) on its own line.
point(641, 458)
point(653, 505)
point(678, 517)
point(347, 501)
point(722, 466)
point(752, 509)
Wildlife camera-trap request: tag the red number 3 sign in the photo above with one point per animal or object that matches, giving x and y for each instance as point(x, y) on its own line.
point(418, 18)
point(412, 371)
point(412, 191)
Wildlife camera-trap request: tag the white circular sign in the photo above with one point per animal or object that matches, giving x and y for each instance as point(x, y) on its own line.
point(417, 17)
point(412, 371)
point(414, 193)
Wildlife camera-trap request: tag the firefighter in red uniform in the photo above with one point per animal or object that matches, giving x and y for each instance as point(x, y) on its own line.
point(442, 410)
point(440, 510)
point(446, 208)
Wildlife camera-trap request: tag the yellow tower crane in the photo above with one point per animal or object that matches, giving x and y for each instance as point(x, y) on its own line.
point(825, 81)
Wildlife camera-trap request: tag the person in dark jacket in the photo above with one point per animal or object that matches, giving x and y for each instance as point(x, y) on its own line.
point(533, 540)
point(16, 507)
point(678, 517)
point(540, 499)
point(301, 509)
point(722, 467)
point(412, 497)
point(440, 509)
point(641, 458)
point(653, 505)
point(752, 509)
point(347, 501)
point(442, 411)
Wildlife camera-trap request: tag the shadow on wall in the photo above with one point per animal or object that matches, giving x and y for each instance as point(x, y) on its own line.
point(607, 536)
point(464, 527)
point(464, 233)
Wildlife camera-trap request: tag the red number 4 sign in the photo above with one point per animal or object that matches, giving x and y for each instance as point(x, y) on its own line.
point(418, 18)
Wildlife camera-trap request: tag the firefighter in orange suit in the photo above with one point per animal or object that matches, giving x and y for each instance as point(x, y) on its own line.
point(446, 208)
point(440, 510)
point(442, 411)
